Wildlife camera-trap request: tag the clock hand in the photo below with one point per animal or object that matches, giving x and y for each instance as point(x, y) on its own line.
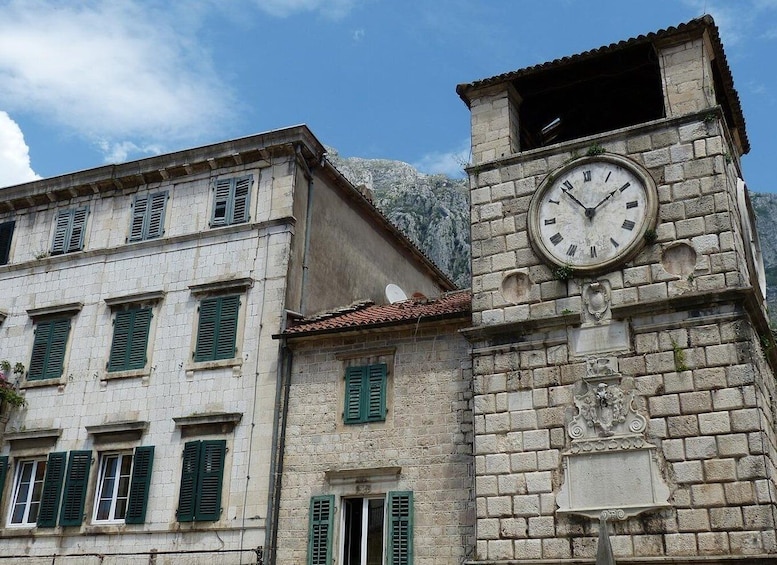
point(575, 200)
point(605, 199)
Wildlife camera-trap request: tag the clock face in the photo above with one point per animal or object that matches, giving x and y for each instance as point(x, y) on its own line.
point(593, 213)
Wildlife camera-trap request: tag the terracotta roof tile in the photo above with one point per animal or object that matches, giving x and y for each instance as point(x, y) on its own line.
point(366, 314)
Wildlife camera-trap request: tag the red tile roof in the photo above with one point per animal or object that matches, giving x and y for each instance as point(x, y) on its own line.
point(366, 314)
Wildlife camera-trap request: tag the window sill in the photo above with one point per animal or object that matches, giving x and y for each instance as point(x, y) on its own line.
point(113, 528)
point(37, 383)
point(132, 373)
point(20, 531)
point(196, 366)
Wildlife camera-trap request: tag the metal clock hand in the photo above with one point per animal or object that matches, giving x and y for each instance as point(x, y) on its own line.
point(605, 199)
point(575, 200)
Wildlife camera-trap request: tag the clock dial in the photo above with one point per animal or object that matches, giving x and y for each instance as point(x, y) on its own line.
point(592, 213)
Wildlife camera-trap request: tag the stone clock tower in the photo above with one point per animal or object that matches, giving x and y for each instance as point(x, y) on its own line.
point(622, 356)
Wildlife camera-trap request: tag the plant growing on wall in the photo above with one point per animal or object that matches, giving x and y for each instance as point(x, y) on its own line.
point(8, 392)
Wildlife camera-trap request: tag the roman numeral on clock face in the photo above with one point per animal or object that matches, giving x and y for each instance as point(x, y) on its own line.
point(568, 185)
point(556, 238)
point(615, 243)
point(586, 176)
point(608, 176)
point(593, 251)
point(628, 225)
point(553, 201)
point(572, 249)
point(632, 204)
point(550, 221)
point(625, 186)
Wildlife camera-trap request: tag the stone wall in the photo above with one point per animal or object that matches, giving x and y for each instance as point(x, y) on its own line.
point(427, 434)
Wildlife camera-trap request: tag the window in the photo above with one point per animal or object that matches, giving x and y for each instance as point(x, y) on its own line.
point(199, 499)
point(26, 494)
point(376, 531)
point(365, 394)
point(48, 349)
point(69, 231)
point(231, 199)
point(148, 216)
point(6, 233)
point(130, 339)
point(217, 328)
point(122, 486)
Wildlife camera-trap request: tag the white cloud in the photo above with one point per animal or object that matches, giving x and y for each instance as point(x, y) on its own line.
point(358, 34)
point(450, 163)
point(118, 73)
point(332, 9)
point(14, 154)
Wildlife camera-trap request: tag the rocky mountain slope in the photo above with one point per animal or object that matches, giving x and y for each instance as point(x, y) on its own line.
point(433, 210)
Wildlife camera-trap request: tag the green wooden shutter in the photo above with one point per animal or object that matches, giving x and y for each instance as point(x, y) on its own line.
point(400, 530)
point(139, 209)
point(241, 200)
point(62, 231)
point(75, 488)
point(75, 241)
point(222, 196)
point(56, 354)
point(320, 528)
point(226, 328)
point(209, 479)
point(156, 216)
point(3, 472)
point(52, 490)
point(122, 325)
point(142, 463)
point(48, 349)
point(40, 348)
point(186, 496)
point(136, 355)
point(6, 234)
point(376, 392)
point(354, 384)
point(206, 330)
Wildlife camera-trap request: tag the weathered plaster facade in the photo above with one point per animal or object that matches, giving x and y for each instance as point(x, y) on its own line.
point(173, 399)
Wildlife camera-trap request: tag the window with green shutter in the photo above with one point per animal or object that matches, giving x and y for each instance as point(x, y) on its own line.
point(69, 230)
point(320, 527)
point(76, 480)
point(52, 490)
point(140, 485)
point(6, 234)
point(231, 200)
point(400, 528)
point(202, 474)
point(130, 339)
point(365, 394)
point(217, 328)
point(148, 216)
point(375, 530)
point(48, 349)
point(123, 484)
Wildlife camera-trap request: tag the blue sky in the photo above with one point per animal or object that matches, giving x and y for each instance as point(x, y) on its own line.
point(88, 83)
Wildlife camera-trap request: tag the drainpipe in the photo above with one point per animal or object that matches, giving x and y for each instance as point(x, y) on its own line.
point(285, 356)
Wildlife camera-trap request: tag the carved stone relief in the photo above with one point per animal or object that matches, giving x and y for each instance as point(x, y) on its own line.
point(609, 466)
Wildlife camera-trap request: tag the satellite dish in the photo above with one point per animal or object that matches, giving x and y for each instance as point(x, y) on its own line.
point(395, 294)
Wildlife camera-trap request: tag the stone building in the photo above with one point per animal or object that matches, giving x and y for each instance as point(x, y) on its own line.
point(623, 364)
point(377, 461)
point(142, 299)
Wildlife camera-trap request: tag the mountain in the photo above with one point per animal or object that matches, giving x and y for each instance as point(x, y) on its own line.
point(433, 210)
